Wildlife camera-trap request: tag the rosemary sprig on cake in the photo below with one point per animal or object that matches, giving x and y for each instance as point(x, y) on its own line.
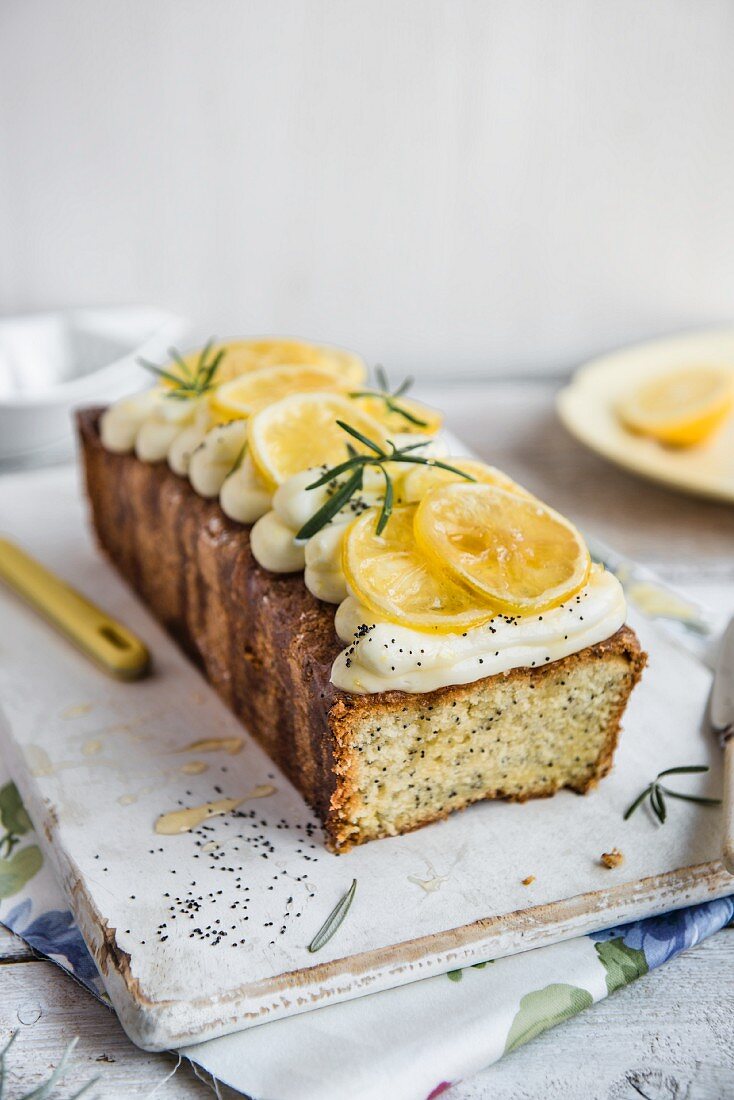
point(384, 393)
point(656, 792)
point(355, 466)
point(191, 382)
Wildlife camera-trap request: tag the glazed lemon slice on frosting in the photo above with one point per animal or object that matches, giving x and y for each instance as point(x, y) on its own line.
point(517, 554)
point(243, 356)
point(243, 396)
point(423, 478)
point(414, 418)
point(271, 352)
point(301, 431)
point(681, 408)
point(391, 576)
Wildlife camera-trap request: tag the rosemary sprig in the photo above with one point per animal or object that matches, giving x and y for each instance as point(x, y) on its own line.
point(334, 919)
point(43, 1091)
point(189, 383)
point(384, 393)
point(355, 466)
point(656, 792)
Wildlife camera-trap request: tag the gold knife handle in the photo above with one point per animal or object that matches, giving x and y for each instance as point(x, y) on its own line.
point(100, 637)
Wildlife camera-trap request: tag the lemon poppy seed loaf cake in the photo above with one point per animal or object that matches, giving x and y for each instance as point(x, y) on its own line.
point(405, 632)
point(374, 761)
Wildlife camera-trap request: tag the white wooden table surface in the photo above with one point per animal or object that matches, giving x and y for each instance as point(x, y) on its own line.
point(670, 1035)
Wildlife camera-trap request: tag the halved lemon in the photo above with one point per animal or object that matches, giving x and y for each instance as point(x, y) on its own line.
point(517, 554)
point(421, 479)
point(415, 418)
point(243, 356)
point(243, 396)
point(682, 408)
point(301, 431)
point(390, 575)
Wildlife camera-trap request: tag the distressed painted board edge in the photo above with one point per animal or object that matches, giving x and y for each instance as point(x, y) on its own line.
point(162, 1024)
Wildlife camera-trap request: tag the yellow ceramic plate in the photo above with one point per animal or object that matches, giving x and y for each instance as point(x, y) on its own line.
point(587, 407)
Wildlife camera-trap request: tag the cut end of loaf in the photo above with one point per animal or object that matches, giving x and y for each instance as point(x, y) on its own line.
point(516, 736)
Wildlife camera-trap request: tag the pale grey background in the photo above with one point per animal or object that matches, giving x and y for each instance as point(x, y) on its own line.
point(450, 186)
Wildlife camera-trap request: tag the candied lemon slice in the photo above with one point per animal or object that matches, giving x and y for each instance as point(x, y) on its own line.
point(417, 483)
point(519, 555)
point(391, 576)
point(243, 396)
point(243, 356)
point(415, 418)
point(301, 431)
point(681, 408)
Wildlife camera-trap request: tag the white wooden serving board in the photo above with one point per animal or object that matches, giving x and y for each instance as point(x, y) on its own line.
point(97, 762)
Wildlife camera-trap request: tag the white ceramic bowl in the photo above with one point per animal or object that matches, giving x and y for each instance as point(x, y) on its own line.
point(52, 363)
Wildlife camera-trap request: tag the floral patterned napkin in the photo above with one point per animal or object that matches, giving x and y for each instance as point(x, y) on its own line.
point(410, 1043)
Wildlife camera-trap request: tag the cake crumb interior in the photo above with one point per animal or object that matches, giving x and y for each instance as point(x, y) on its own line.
point(528, 736)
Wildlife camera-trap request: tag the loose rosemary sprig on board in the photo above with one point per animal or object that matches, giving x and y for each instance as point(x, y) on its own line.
point(334, 919)
point(388, 396)
point(656, 792)
point(190, 383)
point(355, 466)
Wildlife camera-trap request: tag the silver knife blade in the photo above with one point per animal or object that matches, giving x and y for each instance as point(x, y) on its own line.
point(721, 708)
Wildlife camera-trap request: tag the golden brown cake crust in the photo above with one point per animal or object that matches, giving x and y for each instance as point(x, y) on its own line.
point(264, 642)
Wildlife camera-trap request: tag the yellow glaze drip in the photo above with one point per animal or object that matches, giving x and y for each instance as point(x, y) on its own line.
point(215, 744)
point(194, 767)
point(183, 821)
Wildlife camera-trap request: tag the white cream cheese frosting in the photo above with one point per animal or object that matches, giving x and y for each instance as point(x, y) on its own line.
point(158, 427)
point(168, 418)
point(243, 495)
point(189, 439)
point(121, 422)
point(323, 555)
point(271, 541)
point(381, 656)
point(273, 538)
point(216, 456)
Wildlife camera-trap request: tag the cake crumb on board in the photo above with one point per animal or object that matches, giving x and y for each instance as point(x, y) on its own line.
point(612, 859)
point(529, 880)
